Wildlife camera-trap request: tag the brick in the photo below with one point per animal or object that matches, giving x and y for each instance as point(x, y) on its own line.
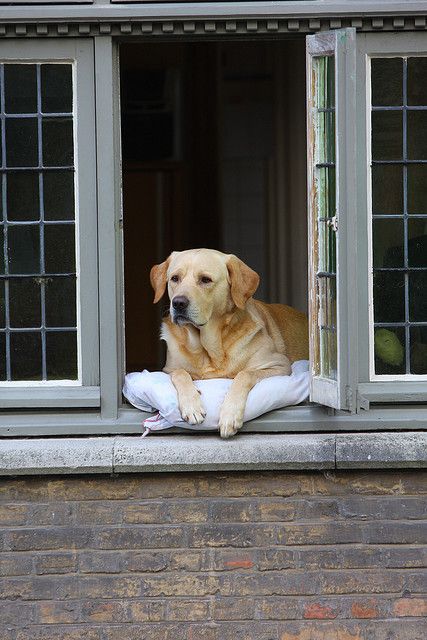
point(102, 562)
point(319, 631)
point(320, 533)
point(402, 557)
point(276, 583)
point(58, 612)
point(187, 511)
point(318, 558)
point(53, 514)
point(319, 611)
point(365, 609)
point(56, 632)
point(234, 510)
point(12, 564)
point(147, 561)
point(410, 607)
point(250, 484)
point(148, 611)
point(316, 509)
point(146, 631)
point(395, 533)
point(104, 611)
point(233, 559)
point(181, 584)
point(49, 538)
point(13, 514)
point(274, 511)
point(97, 513)
point(202, 632)
point(275, 559)
point(375, 508)
point(273, 608)
point(231, 535)
point(143, 537)
point(55, 563)
point(233, 608)
point(263, 630)
point(374, 581)
point(188, 560)
point(109, 587)
point(145, 513)
point(190, 610)
point(39, 588)
point(13, 613)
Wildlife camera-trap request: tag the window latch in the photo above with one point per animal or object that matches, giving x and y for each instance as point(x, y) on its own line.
point(333, 223)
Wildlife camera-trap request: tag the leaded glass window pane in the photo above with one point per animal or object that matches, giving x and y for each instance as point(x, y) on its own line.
point(325, 361)
point(399, 212)
point(38, 316)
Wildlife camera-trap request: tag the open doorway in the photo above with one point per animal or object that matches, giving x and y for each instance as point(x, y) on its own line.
point(214, 155)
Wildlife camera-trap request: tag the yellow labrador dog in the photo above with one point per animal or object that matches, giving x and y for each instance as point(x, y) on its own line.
point(216, 330)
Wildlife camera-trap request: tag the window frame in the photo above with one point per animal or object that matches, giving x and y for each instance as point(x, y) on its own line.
point(84, 392)
point(376, 388)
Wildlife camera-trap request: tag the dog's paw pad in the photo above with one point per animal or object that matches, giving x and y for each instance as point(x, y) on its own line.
point(193, 413)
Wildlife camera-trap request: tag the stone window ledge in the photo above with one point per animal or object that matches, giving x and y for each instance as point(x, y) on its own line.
point(173, 453)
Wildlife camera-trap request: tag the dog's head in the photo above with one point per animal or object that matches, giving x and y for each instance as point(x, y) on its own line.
point(203, 283)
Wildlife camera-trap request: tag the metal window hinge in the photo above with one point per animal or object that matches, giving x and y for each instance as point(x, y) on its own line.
point(333, 223)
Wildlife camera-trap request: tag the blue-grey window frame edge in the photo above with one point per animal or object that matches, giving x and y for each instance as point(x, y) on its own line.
point(114, 417)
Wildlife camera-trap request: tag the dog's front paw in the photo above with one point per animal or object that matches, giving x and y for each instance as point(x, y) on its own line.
point(230, 421)
point(192, 410)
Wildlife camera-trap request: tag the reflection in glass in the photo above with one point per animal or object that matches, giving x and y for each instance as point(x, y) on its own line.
point(328, 338)
point(61, 302)
point(2, 356)
point(417, 242)
point(60, 248)
point(417, 135)
point(417, 86)
point(20, 88)
point(58, 188)
point(56, 88)
point(389, 296)
point(24, 297)
point(418, 337)
point(417, 188)
point(57, 142)
point(24, 249)
point(26, 356)
point(387, 189)
point(417, 296)
point(21, 142)
point(387, 82)
point(2, 306)
point(326, 136)
point(23, 196)
point(388, 243)
point(61, 355)
point(389, 346)
point(387, 135)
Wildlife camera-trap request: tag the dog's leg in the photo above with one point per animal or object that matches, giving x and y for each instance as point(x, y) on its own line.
point(233, 408)
point(190, 404)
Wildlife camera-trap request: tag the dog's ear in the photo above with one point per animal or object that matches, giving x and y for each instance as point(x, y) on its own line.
point(158, 279)
point(244, 281)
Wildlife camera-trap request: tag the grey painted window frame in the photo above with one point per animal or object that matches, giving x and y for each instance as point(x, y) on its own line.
point(113, 417)
point(86, 392)
point(372, 44)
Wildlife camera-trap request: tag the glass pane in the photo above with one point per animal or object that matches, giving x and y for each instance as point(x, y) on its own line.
point(61, 302)
point(328, 338)
point(23, 196)
point(387, 189)
point(417, 243)
point(387, 135)
point(325, 82)
point(417, 81)
point(326, 136)
point(2, 356)
point(418, 296)
point(60, 248)
point(2, 306)
point(26, 356)
point(56, 81)
point(24, 295)
point(389, 347)
point(61, 355)
point(417, 188)
point(326, 191)
point(2, 260)
point(417, 135)
point(21, 142)
point(58, 189)
point(57, 142)
point(387, 82)
point(389, 296)
point(20, 88)
point(24, 249)
point(388, 243)
point(418, 337)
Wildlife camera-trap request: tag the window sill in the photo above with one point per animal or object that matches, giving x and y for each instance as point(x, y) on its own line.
point(173, 453)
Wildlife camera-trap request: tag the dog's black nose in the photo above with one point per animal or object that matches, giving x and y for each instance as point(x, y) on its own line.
point(180, 303)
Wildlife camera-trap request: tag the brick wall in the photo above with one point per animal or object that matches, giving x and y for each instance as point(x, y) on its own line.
point(256, 556)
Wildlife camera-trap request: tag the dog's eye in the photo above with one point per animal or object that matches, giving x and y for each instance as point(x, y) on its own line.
point(174, 278)
point(205, 279)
